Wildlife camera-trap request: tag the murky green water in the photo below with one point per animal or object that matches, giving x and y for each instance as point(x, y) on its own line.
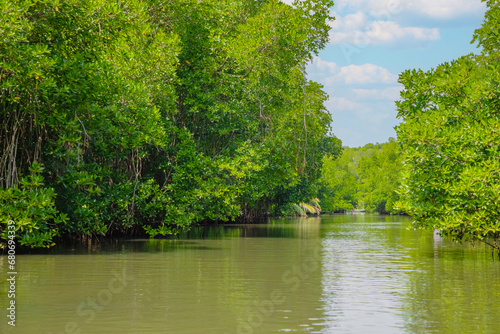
point(335, 274)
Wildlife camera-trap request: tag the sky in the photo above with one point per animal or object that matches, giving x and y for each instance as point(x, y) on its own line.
point(371, 42)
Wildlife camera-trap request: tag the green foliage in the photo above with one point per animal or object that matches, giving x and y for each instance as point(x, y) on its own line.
point(450, 134)
point(367, 177)
point(380, 178)
point(311, 207)
point(151, 116)
point(339, 182)
point(31, 206)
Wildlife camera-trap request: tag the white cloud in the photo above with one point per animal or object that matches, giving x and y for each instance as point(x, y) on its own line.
point(329, 73)
point(356, 21)
point(389, 93)
point(326, 67)
point(373, 7)
point(444, 9)
point(383, 22)
point(357, 29)
point(341, 103)
point(440, 9)
point(388, 31)
point(363, 74)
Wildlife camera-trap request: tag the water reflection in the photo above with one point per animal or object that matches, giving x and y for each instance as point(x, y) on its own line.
point(334, 274)
point(364, 275)
point(455, 291)
point(216, 282)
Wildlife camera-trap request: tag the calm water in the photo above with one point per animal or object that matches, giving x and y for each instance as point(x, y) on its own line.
point(334, 274)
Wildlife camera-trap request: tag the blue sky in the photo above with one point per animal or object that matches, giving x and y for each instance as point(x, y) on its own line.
point(371, 42)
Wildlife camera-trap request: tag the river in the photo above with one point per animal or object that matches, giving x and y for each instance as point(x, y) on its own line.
point(333, 274)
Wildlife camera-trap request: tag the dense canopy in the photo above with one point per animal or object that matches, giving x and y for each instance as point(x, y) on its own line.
point(119, 117)
point(450, 137)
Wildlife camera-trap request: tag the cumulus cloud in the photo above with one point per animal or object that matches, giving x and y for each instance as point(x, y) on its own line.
point(354, 21)
point(398, 22)
point(363, 74)
point(358, 29)
point(329, 73)
point(341, 103)
point(325, 67)
point(444, 9)
point(440, 9)
point(373, 7)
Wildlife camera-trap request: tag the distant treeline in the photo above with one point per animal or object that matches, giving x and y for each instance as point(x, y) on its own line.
point(367, 178)
point(147, 116)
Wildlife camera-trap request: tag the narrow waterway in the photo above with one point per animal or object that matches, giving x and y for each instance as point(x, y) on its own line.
point(334, 274)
